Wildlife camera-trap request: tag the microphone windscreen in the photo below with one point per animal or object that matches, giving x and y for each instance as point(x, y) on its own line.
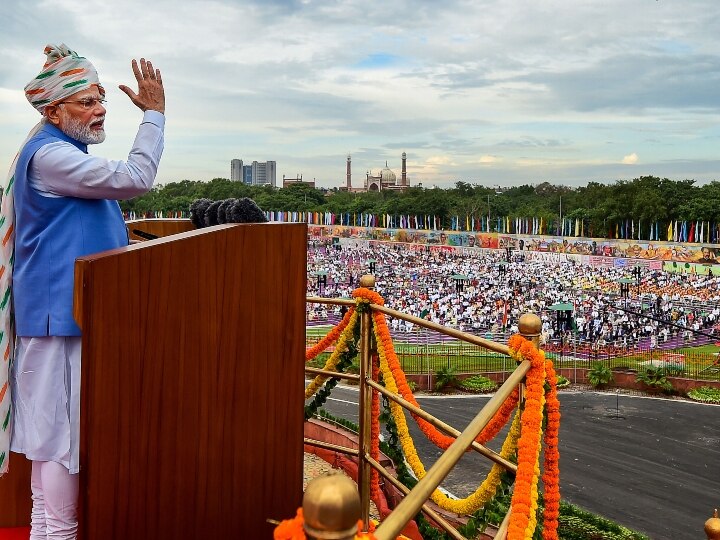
point(222, 213)
point(197, 212)
point(211, 218)
point(246, 211)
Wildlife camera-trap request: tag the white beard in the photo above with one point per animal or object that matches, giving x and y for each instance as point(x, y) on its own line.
point(81, 132)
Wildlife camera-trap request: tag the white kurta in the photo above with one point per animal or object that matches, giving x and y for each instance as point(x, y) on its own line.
point(46, 399)
point(45, 378)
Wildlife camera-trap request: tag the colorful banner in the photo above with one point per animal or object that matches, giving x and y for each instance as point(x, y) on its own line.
point(410, 236)
point(622, 249)
point(590, 251)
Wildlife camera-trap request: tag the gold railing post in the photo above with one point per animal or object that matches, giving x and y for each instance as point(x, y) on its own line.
point(364, 468)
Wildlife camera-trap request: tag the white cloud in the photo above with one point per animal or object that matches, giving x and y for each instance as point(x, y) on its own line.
point(487, 160)
point(439, 160)
point(630, 159)
point(307, 82)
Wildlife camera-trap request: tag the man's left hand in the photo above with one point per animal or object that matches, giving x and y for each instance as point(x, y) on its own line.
point(151, 94)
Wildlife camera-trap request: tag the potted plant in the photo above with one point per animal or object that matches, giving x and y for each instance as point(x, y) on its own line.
point(478, 384)
point(705, 394)
point(599, 375)
point(446, 379)
point(655, 380)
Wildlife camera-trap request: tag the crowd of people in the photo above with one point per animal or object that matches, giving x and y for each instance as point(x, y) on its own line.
point(485, 292)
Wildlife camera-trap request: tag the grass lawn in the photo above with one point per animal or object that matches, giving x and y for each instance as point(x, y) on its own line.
point(703, 349)
point(416, 358)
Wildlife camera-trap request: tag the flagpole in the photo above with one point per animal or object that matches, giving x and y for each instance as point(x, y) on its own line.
point(488, 197)
point(562, 225)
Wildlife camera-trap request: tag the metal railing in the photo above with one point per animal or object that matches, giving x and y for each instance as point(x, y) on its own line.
point(416, 499)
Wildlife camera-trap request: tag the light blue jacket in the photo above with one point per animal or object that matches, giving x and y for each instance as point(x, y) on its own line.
point(50, 233)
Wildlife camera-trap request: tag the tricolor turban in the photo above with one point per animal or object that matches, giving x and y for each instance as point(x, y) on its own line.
point(63, 74)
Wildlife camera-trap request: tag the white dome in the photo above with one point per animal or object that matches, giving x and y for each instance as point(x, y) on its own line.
point(387, 176)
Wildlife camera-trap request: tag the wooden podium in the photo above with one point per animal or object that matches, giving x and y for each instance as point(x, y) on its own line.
point(192, 384)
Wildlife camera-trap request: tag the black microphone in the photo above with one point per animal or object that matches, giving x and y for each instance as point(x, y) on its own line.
point(143, 234)
point(206, 213)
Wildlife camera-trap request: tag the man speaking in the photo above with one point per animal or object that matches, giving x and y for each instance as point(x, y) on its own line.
point(60, 203)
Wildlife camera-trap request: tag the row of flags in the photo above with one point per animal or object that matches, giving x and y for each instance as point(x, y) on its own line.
point(387, 221)
point(696, 231)
point(629, 229)
point(156, 214)
point(676, 231)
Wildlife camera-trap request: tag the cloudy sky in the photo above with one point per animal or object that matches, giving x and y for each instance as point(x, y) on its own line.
point(494, 92)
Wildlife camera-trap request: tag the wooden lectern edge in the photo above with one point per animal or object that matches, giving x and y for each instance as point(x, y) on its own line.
point(82, 262)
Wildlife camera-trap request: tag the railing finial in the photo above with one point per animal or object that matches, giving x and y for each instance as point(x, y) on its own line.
point(712, 527)
point(331, 508)
point(529, 326)
point(367, 281)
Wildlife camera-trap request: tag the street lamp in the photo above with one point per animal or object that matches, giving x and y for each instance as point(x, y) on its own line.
point(460, 281)
point(625, 288)
point(638, 278)
point(321, 280)
point(563, 322)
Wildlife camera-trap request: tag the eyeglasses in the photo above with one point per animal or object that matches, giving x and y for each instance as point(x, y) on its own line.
point(87, 103)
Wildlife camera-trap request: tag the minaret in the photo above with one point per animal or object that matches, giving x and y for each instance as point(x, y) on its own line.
point(349, 174)
point(403, 178)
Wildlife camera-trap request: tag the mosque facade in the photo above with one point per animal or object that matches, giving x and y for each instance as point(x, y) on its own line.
point(385, 179)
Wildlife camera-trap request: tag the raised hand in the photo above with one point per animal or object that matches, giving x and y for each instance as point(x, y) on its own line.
point(151, 94)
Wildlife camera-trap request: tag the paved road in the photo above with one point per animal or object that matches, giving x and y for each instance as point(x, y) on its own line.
point(650, 464)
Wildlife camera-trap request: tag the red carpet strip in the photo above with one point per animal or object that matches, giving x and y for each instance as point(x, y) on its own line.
point(21, 533)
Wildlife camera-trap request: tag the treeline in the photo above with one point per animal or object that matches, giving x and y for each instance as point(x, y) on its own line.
point(600, 207)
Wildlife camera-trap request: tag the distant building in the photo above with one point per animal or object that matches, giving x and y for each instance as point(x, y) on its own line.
point(287, 181)
point(259, 173)
point(263, 173)
point(386, 179)
point(236, 170)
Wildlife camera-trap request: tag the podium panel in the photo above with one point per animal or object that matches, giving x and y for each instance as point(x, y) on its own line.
point(15, 493)
point(192, 384)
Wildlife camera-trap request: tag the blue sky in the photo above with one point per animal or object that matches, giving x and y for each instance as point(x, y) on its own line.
point(501, 92)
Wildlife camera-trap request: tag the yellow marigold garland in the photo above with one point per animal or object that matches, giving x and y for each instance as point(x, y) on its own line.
point(330, 338)
point(439, 439)
point(525, 433)
point(332, 361)
point(489, 486)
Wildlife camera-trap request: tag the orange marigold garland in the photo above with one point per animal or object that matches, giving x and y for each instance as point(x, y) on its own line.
point(330, 338)
point(368, 295)
point(375, 432)
point(525, 496)
point(439, 439)
point(551, 476)
point(529, 445)
point(332, 362)
point(524, 500)
point(487, 488)
point(292, 529)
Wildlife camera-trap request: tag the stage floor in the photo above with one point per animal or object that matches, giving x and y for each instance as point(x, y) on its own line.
point(22, 533)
